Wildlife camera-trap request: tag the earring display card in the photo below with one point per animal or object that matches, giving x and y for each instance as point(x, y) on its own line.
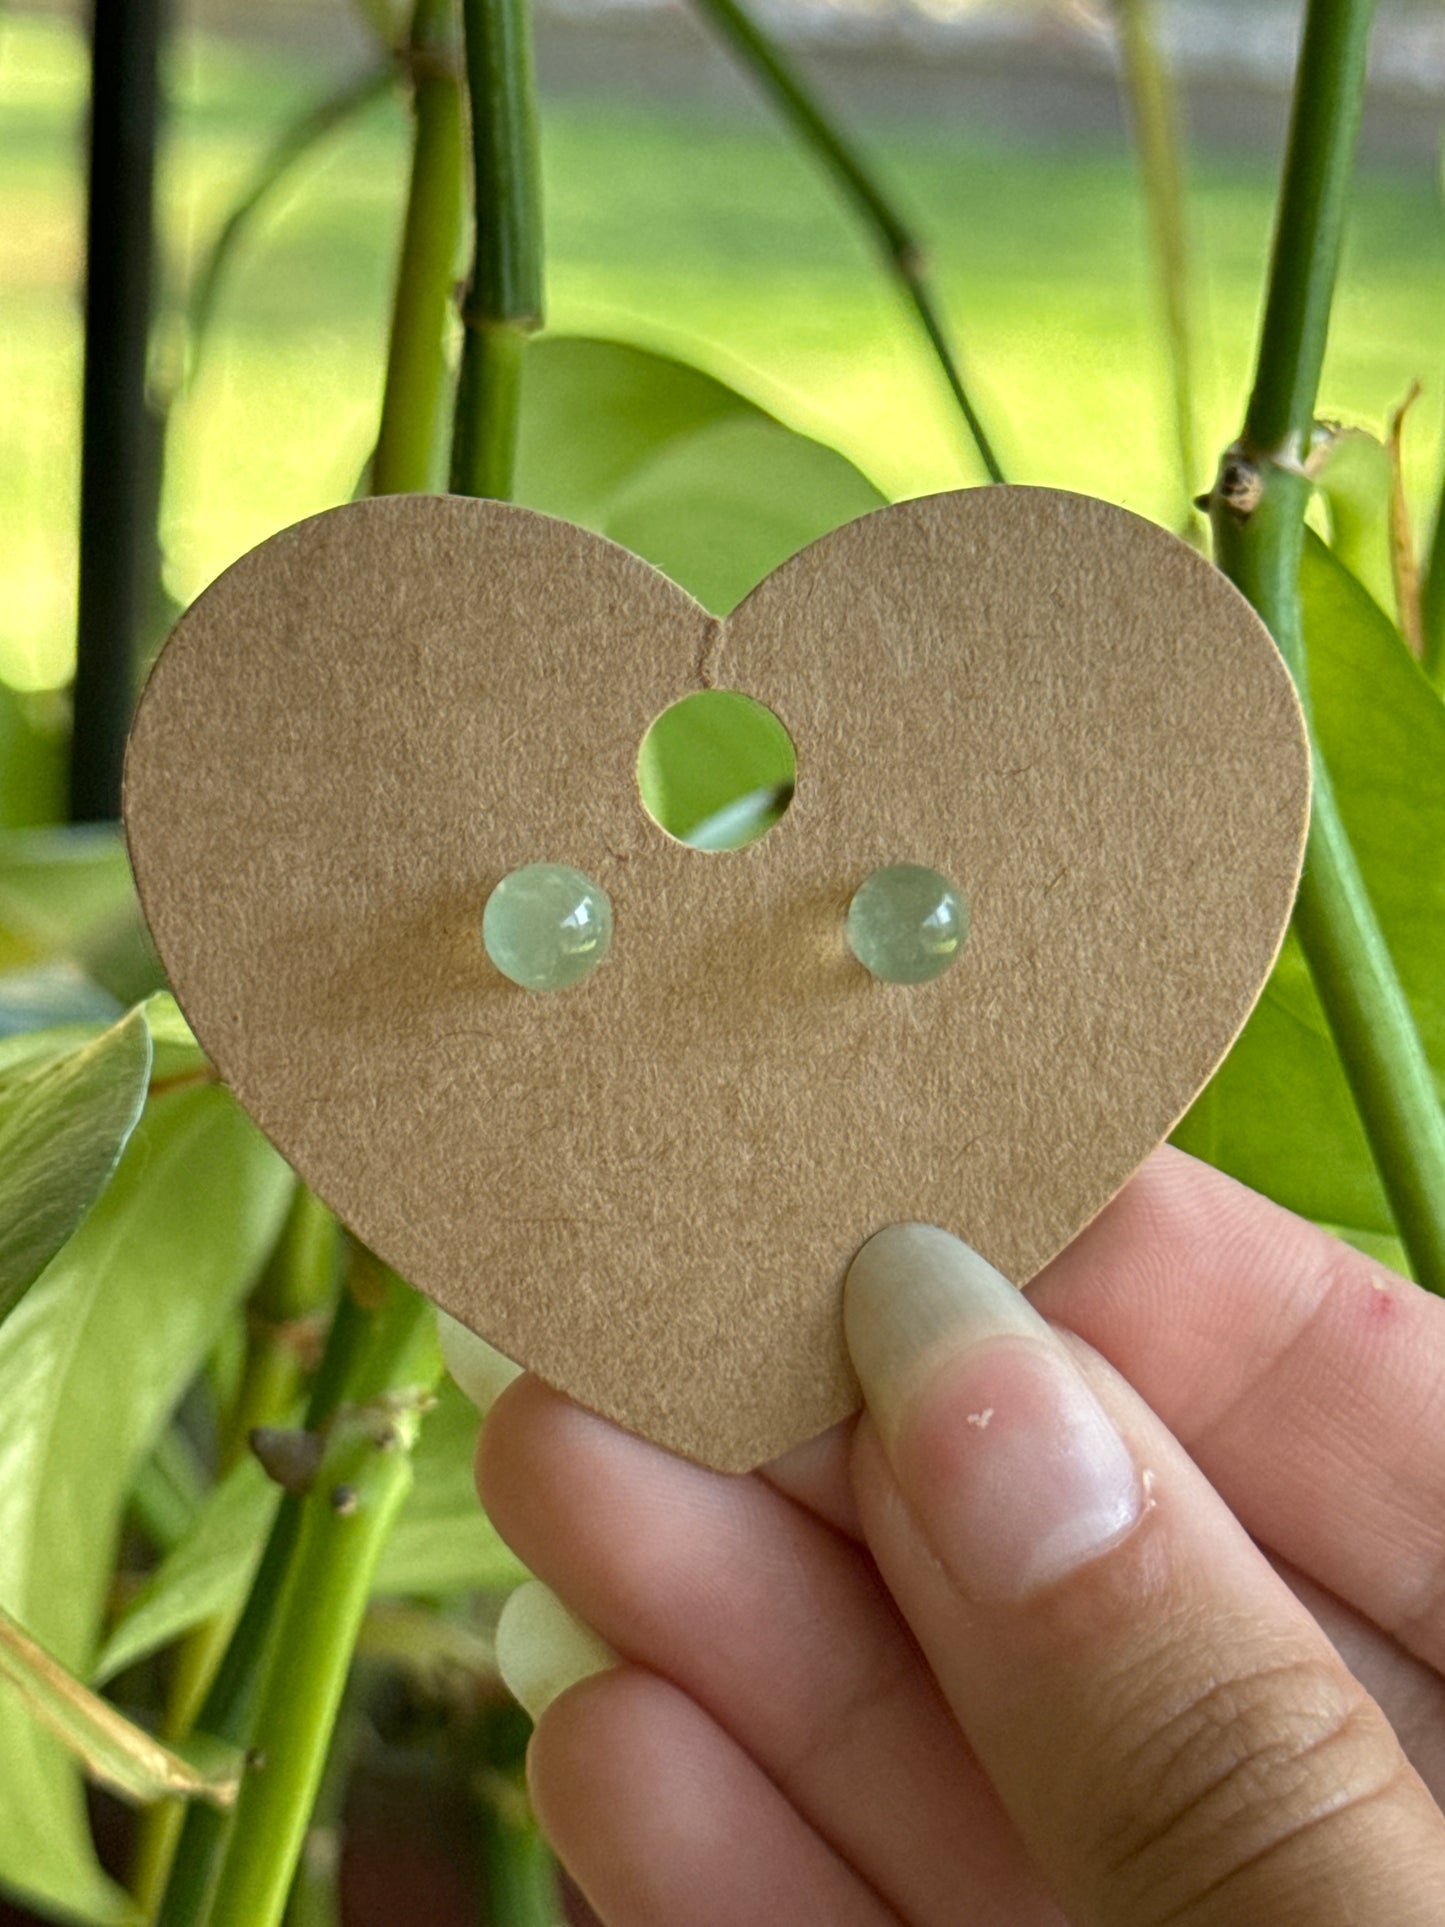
point(648, 1186)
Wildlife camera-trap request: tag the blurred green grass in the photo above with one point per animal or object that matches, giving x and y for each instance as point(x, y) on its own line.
point(703, 233)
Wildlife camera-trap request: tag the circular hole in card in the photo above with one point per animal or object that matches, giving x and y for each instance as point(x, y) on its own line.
point(716, 770)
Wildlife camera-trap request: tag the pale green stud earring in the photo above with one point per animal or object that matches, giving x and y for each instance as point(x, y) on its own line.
point(547, 926)
point(906, 924)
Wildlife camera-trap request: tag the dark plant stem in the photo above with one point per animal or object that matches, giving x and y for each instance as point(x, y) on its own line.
point(1258, 511)
point(119, 459)
point(1154, 113)
point(411, 446)
point(900, 247)
point(503, 301)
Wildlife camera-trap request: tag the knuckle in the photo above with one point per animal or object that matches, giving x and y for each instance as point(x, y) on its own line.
point(1228, 1780)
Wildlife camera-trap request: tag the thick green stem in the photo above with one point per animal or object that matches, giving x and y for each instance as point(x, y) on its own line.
point(411, 445)
point(503, 302)
point(1258, 514)
point(1154, 112)
point(900, 247)
point(363, 1479)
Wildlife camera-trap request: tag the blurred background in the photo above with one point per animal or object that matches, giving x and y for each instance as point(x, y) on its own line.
point(679, 215)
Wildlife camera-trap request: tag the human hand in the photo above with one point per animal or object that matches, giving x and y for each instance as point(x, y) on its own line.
point(929, 1668)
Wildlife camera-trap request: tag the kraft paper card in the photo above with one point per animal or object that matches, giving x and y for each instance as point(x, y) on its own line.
point(648, 1187)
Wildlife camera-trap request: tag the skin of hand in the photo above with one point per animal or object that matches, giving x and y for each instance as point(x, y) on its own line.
point(1122, 1603)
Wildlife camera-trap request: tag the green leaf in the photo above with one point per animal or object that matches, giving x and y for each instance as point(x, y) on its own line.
point(675, 465)
point(63, 1127)
point(110, 1748)
point(1278, 1115)
point(1381, 729)
point(208, 1573)
point(1356, 480)
point(92, 1362)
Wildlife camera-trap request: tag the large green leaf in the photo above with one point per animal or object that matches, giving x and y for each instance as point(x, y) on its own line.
point(91, 1364)
point(675, 465)
point(1279, 1114)
point(63, 1127)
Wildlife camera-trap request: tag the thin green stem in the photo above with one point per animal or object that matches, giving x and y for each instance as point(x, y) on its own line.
point(1154, 112)
point(901, 250)
point(503, 302)
point(1258, 511)
point(1314, 197)
point(411, 444)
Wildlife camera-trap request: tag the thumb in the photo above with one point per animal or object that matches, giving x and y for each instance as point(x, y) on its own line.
point(1171, 1731)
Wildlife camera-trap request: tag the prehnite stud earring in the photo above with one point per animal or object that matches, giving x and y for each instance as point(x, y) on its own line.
point(547, 926)
point(906, 924)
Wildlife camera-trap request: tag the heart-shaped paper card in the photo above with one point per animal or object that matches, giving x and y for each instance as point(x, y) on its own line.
point(648, 1187)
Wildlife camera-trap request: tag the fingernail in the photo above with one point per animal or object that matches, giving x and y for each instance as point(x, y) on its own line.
point(1010, 1464)
point(480, 1370)
point(542, 1649)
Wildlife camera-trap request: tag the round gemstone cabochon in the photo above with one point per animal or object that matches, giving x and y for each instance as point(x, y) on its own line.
point(547, 926)
point(906, 924)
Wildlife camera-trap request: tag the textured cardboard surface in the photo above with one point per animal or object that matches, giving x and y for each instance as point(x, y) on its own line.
point(648, 1188)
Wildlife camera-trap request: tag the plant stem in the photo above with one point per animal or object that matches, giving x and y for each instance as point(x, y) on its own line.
point(900, 247)
point(364, 1477)
point(294, 1291)
point(1258, 511)
point(1154, 111)
point(120, 440)
point(410, 446)
point(503, 302)
point(369, 1354)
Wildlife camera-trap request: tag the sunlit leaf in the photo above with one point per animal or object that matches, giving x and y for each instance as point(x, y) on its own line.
point(110, 1749)
point(63, 1127)
point(292, 146)
point(676, 466)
